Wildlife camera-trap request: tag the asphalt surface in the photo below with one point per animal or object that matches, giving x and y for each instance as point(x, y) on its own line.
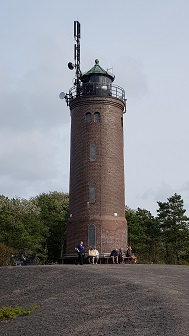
point(97, 300)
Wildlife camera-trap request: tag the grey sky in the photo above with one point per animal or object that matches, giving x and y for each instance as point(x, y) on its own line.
point(146, 43)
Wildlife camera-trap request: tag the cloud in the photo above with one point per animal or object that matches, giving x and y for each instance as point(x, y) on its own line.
point(148, 199)
point(31, 101)
point(132, 76)
point(35, 124)
point(34, 161)
point(158, 194)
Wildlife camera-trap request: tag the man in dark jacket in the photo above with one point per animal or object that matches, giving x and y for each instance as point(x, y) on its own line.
point(114, 256)
point(80, 251)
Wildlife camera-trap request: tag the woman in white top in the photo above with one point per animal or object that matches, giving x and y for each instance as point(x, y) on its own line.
point(96, 258)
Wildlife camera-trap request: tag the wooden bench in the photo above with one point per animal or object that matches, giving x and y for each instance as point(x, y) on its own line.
point(105, 258)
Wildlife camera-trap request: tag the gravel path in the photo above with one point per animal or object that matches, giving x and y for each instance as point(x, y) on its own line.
point(97, 300)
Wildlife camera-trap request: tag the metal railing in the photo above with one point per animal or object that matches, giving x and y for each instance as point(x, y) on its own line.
point(97, 90)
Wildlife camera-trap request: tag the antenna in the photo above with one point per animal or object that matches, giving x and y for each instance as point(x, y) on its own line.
point(71, 66)
point(77, 36)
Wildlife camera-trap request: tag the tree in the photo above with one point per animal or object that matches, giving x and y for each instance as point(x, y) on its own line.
point(54, 215)
point(174, 226)
point(150, 239)
point(20, 225)
point(135, 229)
point(143, 234)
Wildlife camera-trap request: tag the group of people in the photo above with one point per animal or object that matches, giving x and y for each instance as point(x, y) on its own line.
point(117, 256)
point(92, 258)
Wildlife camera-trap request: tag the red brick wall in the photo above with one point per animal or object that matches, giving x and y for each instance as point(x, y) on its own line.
point(110, 233)
point(107, 171)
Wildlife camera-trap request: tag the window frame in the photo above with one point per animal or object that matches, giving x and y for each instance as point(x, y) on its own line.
point(96, 117)
point(92, 151)
point(92, 192)
point(88, 117)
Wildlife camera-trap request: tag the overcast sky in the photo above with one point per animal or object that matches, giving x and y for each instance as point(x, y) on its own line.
point(146, 42)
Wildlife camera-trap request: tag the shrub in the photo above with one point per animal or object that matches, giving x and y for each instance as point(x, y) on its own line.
point(5, 254)
point(9, 312)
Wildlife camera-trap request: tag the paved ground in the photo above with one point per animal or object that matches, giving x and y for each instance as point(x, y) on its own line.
point(97, 300)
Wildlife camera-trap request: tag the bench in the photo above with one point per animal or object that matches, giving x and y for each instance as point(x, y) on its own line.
point(105, 258)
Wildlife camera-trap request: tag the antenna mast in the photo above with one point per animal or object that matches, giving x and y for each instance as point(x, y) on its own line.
point(77, 36)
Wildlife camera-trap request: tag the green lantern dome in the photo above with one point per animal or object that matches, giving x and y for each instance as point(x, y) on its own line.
point(97, 75)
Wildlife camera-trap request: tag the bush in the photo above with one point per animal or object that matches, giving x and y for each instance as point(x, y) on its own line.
point(5, 254)
point(9, 312)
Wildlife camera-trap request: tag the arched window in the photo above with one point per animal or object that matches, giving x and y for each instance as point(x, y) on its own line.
point(91, 235)
point(92, 151)
point(96, 117)
point(92, 192)
point(88, 117)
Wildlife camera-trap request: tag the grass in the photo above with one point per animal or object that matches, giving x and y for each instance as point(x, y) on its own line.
point(7, 313)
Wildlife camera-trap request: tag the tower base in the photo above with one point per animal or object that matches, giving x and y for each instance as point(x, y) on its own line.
point(106, 233)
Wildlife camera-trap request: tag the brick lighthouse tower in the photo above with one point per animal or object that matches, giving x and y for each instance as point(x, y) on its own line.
point(96, 196)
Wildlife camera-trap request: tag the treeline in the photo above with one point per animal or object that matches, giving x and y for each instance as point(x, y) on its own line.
point(35, 227)
point(38, 227)
point(160, 239)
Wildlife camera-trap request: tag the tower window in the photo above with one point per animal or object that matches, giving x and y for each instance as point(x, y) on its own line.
point(122, 121)
point(92, 192)
point(88, 117)
point(96, 117)
point(91, 235)
point(92, 151)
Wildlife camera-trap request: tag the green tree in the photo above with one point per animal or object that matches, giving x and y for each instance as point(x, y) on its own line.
point(143, 234)
point(150, 240)
point(174, 225)
point(54, 215)
point(135, 229)
point(20, 225)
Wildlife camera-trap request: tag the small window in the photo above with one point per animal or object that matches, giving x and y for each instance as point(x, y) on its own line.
point(121, 121)
point(92, 151)
point(88, 117)
point(91, 235)
point(92, 192)
point(96, 117)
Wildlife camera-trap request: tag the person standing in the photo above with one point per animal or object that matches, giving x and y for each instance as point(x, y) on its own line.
point(80, 251)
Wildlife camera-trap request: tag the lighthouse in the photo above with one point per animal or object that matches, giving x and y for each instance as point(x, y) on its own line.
point(96, 192)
